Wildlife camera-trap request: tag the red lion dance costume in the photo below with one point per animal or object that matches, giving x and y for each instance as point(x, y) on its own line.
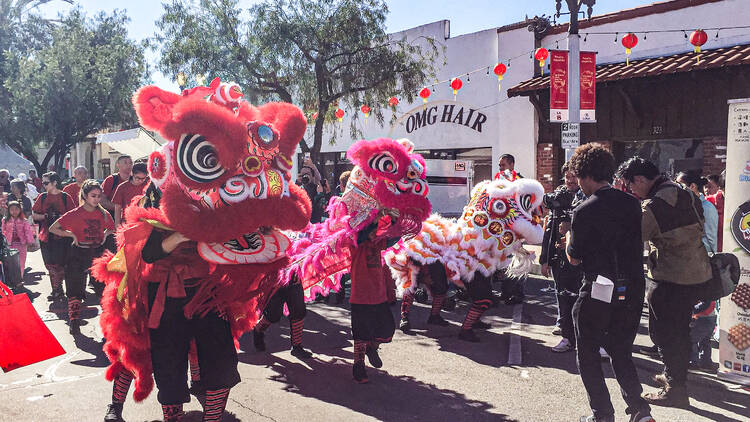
point(225, 186)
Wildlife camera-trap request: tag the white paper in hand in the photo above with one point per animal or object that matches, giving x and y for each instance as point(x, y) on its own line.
point(602, 289)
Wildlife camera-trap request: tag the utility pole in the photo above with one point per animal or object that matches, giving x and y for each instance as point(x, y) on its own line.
point(574, 59)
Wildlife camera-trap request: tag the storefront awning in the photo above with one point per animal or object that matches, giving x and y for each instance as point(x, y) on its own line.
point(677, 63)
point(137, 143)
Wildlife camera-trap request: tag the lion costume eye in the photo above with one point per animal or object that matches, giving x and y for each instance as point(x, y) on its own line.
point(383, 163)
point(525, 201)
point(198, 160)
point(498, 208)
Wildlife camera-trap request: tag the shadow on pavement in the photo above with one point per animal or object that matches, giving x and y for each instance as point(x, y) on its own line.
point(93, 347)
point(197, 416)
point(331, 382)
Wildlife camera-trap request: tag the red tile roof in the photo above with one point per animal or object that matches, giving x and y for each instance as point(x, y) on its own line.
point(677, 63)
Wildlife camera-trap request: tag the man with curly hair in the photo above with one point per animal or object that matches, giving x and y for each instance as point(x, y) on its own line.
point(605, 241)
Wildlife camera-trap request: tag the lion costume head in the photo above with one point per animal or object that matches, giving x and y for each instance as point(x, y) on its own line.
point(225, 171)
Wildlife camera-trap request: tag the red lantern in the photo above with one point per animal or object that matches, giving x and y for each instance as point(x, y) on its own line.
point(340, 114)
point(365, 110)
point(698, 38)
point(541, 54)
point(629, 41)
point(499, 70)
point(393, 101)
point(456, 84)
point(424, 93)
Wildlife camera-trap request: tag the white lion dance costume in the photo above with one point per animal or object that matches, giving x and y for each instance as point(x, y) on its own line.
point(488, 237)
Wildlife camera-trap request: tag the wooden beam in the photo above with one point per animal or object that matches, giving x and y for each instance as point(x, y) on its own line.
point(629, 105)
point(534, 100)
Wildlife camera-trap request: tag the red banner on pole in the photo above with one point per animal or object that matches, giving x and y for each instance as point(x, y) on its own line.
point(558, 86)
point(588, 86)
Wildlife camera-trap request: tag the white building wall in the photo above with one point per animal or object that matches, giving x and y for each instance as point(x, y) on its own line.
point(709, 15)
point(511, 125)
point(512, 118)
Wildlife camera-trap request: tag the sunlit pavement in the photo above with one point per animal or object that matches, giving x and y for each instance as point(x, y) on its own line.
point(429, 375)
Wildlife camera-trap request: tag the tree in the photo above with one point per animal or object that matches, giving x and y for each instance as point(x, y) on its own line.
point(21, 31)
point(79, 83)
point(317, 53)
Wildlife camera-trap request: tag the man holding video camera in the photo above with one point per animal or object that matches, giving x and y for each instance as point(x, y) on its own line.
point(553, 260)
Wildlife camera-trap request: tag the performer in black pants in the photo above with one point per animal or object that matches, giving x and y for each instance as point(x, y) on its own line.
point(433, 276)
point(294, 297)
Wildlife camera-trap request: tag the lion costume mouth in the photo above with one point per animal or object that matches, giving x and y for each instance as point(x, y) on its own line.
point(261, 247)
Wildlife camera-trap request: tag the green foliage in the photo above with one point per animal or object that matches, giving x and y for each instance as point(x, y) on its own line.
point(78, 82)
point(315, 53)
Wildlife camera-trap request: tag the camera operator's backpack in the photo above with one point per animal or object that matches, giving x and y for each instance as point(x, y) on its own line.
point(725, 272)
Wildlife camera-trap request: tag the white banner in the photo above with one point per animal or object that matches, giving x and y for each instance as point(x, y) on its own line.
point(734, 342)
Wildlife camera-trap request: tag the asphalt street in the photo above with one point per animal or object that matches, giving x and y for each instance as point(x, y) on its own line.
point(430, 375)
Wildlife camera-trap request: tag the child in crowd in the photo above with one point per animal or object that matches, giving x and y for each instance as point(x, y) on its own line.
point(701, 332)
point(18, 231)
point(88, 225)
point(372, 320)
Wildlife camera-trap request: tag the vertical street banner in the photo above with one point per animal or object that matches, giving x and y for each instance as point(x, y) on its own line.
point(588, 86)
point(558, 86)
point(734, 315)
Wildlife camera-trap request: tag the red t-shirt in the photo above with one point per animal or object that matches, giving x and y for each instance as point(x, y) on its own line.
point(368, 279)
point(52, 205)
point(88, 226)
point(108, 186)
point(74, 191)
point(37, 182)
point(126, 192)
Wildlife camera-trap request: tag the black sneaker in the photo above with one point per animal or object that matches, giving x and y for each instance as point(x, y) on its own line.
point(642, 416)
point(300, 353)
point(468, 335)
point(373, 357)
point(359, 372)
point(114, 413)
point(57, 295)
point(404, 325)
point(75, 327)
point(259, 341)
point(481, 325)
point(437, 320)
point(449, 304)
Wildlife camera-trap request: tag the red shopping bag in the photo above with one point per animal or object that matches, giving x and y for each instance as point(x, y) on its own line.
point(24, 338)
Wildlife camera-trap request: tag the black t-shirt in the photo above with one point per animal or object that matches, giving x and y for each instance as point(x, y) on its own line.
point(605, 226)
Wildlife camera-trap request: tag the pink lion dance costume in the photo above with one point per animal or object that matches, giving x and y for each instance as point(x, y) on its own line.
point(386, 175)
point(500, 216)
point(225, 186)
point(385, 199)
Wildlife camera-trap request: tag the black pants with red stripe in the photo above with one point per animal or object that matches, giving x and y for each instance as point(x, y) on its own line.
point(170, 343)
point(294, 297)
point(438, 281)
point(372, 322)
point(77, 267)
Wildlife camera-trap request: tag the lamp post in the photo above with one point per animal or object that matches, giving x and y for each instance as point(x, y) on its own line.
point(574, 52)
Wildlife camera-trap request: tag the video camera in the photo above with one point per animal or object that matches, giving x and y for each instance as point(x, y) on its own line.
point(560, 202)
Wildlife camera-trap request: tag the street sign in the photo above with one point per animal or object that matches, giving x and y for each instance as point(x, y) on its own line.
point(571, 135)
